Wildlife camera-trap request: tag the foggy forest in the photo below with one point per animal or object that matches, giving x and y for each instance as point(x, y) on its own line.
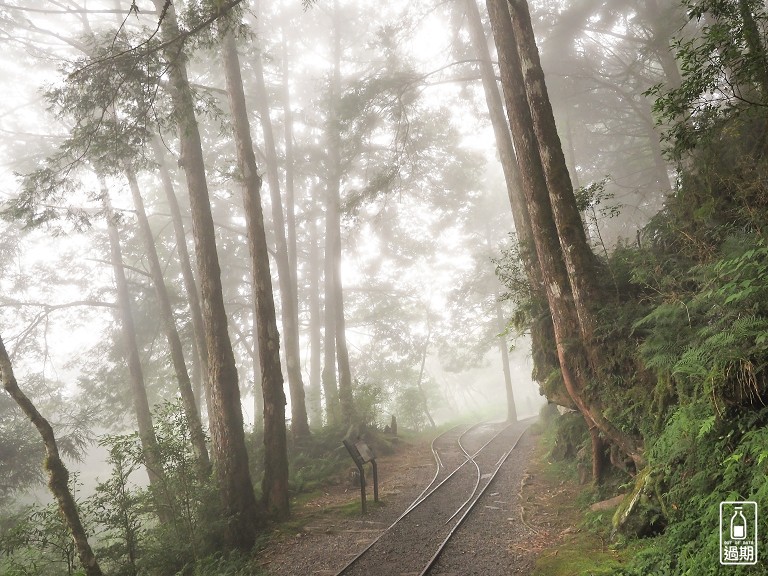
point(525, 239)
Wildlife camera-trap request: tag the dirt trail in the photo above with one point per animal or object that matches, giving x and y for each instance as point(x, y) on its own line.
point(493, 540)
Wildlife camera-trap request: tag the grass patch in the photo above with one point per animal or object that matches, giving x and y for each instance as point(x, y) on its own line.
point(583, 553)
point(579, 539)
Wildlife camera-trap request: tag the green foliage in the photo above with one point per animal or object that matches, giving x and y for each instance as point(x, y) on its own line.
point(595, 199)
point(411, 404)
point(724, 74)
point(36, 541)
point(21, 449)
point(184, 497)
point(226, 565)
point(368, 400)
point(684, 342)
point(691, 330)
point(119, 508)
point(317, 461)
point(571, 435)
point(713, 341)
point(706, 460)
point(510, 272)
point(698, 329)
point(123, 517)
point(322, 460)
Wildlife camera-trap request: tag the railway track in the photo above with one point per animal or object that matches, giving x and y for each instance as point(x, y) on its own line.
point(467, 458)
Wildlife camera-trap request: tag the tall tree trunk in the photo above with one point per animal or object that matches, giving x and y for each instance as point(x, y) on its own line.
point(251, 345)
point(275, 483)
point(755, 46)
point(572, 152)
point(314, 400)
point(511, 407)
point(662, 27)
point(286, 279)
point(332, 229)
point(422, 393)
point(169, 326)
point(342, 353)
point(290, 189)
point(258, 388)
point(196, 376)
point(657, 154)
point(334, 241)
point(185, 264)
point(328, 377)
point(580, 262)
point(226, 416)
point(598, 453)
point(503, 138)
point(512, 177)
point(567, 332)
point(136, 376)
point(58, 475)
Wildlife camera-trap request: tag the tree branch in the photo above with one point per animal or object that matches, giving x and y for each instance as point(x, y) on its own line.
point(126, 266)
point(65, 11)
point(222, 11)
point(52, 307)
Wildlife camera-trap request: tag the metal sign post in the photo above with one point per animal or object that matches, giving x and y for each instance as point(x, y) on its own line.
point(361, 453)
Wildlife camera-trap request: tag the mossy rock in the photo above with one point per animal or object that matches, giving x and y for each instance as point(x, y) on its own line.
point(640, 515)
point(571, 434)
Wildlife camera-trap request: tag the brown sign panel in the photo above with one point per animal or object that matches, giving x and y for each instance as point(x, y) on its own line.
point(366, 454)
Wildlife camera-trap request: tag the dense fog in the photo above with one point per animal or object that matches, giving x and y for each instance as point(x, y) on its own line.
point(234, 233)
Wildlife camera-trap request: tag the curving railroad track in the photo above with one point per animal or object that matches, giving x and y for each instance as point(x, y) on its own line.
point(467, 459)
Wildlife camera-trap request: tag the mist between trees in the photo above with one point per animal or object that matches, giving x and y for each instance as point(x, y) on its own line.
point(235, 232)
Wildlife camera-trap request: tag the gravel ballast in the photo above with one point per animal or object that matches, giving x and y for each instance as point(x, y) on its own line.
point(490, 541)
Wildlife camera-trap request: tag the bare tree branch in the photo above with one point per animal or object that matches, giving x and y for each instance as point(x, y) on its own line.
point(66, 10)
point(9, 303)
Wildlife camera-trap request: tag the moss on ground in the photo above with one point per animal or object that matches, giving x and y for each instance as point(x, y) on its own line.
point(579, 540)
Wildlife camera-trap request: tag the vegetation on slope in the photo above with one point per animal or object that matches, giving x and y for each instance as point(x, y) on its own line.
point(684, 337)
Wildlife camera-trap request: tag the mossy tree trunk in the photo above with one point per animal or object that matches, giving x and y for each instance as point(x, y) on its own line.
point(580, 262)
point(58, 475)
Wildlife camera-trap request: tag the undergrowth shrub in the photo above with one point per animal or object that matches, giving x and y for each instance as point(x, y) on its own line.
point(129, 538)
point(700, 340)
point(34, 541)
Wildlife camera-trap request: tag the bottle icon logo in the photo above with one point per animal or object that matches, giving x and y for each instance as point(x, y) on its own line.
point(738, 533)
point(738, 525)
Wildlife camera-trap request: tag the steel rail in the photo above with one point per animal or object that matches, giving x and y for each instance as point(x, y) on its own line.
point(426, 493)
point(479, 476)
point(438, 461)
point(418, 500)
point(463, 517)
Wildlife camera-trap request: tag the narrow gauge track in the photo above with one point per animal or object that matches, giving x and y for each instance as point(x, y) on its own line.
point(466, 461)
